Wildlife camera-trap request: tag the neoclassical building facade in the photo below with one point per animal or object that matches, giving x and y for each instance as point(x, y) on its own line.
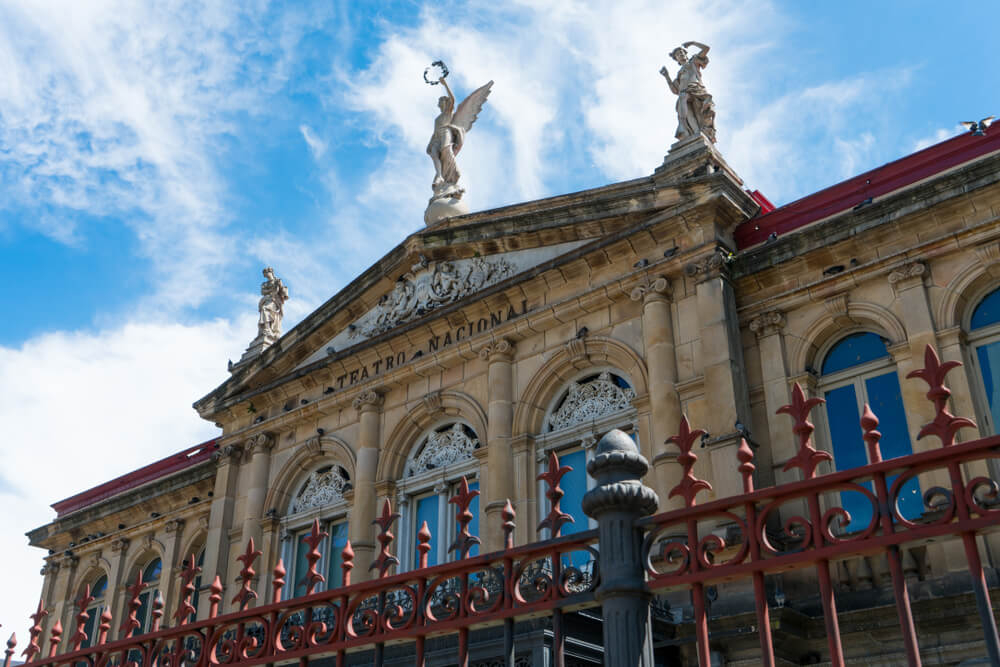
point(484, 342)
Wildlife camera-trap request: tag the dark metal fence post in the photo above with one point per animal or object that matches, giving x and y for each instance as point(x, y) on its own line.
point(618, 500)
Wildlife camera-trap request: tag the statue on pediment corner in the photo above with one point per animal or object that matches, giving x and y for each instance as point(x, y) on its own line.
point(695, 108)
point(271, 306)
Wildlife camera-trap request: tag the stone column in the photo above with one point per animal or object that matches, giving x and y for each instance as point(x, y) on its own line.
point(363, 512)
point(116, 584)
point(220, 520)
point(616, 502)
point(522, 449)
point(661, 364)
point(782, 445)
point(726, 393)
point(62, 599)
point(500, 460)
point(259, 449)
point(171, 563)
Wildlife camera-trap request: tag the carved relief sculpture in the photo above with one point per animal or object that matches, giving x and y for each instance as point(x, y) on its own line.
point(587, 401)
point(443, 448)
point(695, 108)
point(323, 487)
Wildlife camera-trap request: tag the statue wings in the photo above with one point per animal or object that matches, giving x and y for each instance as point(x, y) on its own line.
point(468, 110)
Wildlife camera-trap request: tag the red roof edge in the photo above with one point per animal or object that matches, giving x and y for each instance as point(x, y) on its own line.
point(162, 468)
point(862, 189)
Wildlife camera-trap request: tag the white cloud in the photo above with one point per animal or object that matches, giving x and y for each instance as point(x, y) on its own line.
point(316, 145)
point(79, 409)
point(941, 134)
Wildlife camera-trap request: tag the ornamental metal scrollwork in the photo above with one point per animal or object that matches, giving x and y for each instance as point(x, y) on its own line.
point(590, 400)
point(325, 486)
point(444, 447)
point(429, 285)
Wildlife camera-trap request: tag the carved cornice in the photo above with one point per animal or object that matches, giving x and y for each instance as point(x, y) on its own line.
point(260, 442)
point(652, 289)
point(909, 273)
point(768, 323)
point(367, 401)
point(498, 350)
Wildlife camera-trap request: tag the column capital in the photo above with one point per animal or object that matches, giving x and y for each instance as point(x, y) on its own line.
point(174, 526)
point(228, 454)
point(908, 275)
point(652, 288)
point(120, 545)
point(369, 400)
point(259, 442)
point(709, 266)
point(767, 324)
point(385, 488)
point(498, 350)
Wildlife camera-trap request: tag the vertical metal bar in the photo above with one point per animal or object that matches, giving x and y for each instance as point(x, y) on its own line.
point(982, 598)
point(419, 650)
point(463, 647)
point(830, 613)
point(701, 624)
point(763, 620)
point(558, 639)
point(380, 646)
point(508, 642)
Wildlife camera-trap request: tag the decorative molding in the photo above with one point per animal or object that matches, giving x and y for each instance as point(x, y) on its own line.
point(120, 545)
point(588, 441)
point(709, 266)
point(432, 401)
point(430, 285)
point(261, 442)
point(768, 323)
point(174, 526)
point(649, 289)
point(71, 562)
point(837, 307)
point(988, 253)
point(576, 348)
point(443, 448)
point(368, 400)
point(227, 454)
point(498, 350)
point(590, 400)
point(323, 487)
point(907, 273)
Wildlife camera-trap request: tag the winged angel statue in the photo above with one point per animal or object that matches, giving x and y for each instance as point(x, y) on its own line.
point(450, 128)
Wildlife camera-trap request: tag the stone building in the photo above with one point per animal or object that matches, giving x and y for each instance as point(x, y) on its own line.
point(481, 343)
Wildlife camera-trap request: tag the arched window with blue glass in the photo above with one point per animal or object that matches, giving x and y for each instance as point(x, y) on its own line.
point(857, 370)
point(98, 589)
point(984, 340)
point(590, 405)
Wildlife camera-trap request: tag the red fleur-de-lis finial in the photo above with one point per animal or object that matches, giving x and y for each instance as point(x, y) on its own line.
point(82, 617)
point(157, 613)
point(945, 424)
point(246, 593)
point(54, 638)
point(132, 623)
point(552, 475)
point(11, 645)
point(188, 574)
point(105, 627)
point(508, 515)
point(314, 539)
point(215, 597)
point(423, 544)
point(464, 540)
point(347, 562)
point(808, 456)
point(869, 422)
point(33, 649)
point(385, 559)
point(689, 486)
point(278, 582)
point(745, 455)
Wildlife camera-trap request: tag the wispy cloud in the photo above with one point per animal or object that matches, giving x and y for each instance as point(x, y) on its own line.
point(935, 137)
point(316, 145)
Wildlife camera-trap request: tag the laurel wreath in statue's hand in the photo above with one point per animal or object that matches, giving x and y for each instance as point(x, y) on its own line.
point(444, 72)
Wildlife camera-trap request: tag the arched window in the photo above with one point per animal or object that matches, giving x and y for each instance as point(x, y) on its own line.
point(151, 572)
point(984, 340)
point(98, 590)
point(855, 371)
point(589, 406)
point(320, 496)
point(434, 468)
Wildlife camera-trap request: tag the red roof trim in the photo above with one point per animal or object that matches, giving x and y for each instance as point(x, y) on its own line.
point(162, 468)
point(876, 183)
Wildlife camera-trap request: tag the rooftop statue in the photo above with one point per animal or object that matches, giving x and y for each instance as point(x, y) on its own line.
point(695, 108)
point(450, 128)
point(271, 306)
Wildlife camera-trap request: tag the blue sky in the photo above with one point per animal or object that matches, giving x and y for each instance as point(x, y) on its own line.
point(154, 156)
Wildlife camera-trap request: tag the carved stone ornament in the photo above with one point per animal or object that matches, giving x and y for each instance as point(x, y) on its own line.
point(590, 400)
point(227, 453)
point(174, 526)
point(651, 287)
point(576, 348)
point(708, 266)
point(261, 442)
point(430, 285)
point(501, 349)
point(369, 399)
point(323, 487)
point(903, 273)
point(988, 253)
point(444, 447)
point(767, 323)
point(432, 402)
point(119, 545)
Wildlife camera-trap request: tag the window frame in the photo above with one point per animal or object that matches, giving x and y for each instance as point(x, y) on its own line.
point(975, 339)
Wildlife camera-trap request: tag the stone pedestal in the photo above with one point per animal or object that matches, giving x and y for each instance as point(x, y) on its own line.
point(694, 156)
point(447, 207)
